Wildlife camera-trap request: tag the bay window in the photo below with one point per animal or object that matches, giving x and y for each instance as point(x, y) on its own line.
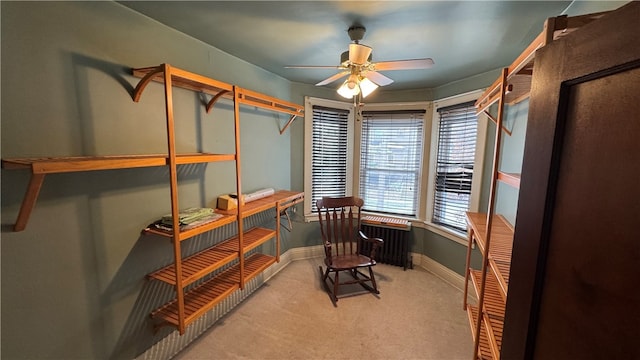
point(404, 160)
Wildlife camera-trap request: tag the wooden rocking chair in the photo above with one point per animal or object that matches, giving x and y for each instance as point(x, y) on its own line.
point(342, 238)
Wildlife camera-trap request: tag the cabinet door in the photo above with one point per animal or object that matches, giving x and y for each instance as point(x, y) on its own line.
point(574, 287)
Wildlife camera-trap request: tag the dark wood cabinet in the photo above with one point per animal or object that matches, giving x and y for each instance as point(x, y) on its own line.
point(574, 277)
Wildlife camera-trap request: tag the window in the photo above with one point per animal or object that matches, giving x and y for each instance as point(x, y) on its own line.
point(390, 161)
point(329, 155)
point(457, 131)
point(329, 151)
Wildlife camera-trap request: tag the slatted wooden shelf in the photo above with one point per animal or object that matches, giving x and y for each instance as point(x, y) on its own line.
point(187, 234)
point(205, 296)
point(501, 270)
point(501, 234)
point(501, 245)
point(485, 352)
point(493, 306)
point(281, 198)
point(204, 262)
point(54, 165)
point(511, 179)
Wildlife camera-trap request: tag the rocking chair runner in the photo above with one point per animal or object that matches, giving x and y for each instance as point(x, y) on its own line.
point(342, 238)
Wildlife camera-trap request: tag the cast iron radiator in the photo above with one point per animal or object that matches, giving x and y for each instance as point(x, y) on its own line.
point(395, 233)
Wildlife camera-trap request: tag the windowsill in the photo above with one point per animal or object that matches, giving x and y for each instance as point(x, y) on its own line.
point(314, 217)
point(452, 235)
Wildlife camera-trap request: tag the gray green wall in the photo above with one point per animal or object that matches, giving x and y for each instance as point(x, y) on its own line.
point(73, 283)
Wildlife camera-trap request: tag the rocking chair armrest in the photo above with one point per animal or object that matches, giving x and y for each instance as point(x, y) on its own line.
point(327, 249)
point(375, 243)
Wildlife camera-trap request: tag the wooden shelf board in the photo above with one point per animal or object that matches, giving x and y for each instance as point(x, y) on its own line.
point(204, 297)
point(187, 80)
point(501, 234)
point(196, 266)
point(204, 262)
point(191, 81)
point(520, 88)
point(484, 349)
point(53, 165)
point(494, 304)
point(501, 270)
point(284, 197)
point(494, 333)
point(253, 98)
point(511, 179)
point(186, 234)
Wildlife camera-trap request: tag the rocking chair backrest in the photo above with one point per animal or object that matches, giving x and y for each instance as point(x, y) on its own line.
point(339, 224)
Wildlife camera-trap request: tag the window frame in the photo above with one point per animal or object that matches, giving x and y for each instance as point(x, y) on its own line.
point(309, 102)
point(478, 167)
point(400, 106)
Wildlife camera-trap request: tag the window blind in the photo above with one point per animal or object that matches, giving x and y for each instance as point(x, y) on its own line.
point(390, 160)
point(454, 168)
point(329, 153)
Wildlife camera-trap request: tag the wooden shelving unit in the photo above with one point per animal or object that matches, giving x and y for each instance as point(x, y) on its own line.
point(189, 305)
point(491, 232)
point(185, 272)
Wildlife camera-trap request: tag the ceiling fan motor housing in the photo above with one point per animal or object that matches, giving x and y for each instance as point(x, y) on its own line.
point(356, 33)
point(344, 57)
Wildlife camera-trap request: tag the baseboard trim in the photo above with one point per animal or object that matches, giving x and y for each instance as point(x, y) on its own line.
point(301, 253)
point(456, 280)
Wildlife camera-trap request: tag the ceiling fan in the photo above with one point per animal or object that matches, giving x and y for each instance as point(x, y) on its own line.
point(363, 76)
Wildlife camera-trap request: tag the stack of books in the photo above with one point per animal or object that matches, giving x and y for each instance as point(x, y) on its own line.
point(189, 218)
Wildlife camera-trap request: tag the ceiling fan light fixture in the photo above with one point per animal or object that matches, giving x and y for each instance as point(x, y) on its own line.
point(367, 87)
point(349, 88)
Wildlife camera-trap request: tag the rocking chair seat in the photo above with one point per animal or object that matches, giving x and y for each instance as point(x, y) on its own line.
point(349, 261)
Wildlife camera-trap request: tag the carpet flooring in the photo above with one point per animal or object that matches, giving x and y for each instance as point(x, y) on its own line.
point(416, 316)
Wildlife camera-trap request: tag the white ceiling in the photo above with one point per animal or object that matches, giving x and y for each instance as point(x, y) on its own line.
point(464, 38)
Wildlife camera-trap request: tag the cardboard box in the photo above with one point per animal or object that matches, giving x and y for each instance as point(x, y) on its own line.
point(226, 202)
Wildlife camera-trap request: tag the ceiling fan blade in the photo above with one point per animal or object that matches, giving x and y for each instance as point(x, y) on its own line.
point(358, 53)
point(404, 64)
point(312, 67)
point(378, 78)
point(332, 78)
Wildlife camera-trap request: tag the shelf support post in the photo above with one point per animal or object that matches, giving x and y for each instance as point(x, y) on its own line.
point(236, 116)
point(175, 204)
point(29, 201)
point(494, 179)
